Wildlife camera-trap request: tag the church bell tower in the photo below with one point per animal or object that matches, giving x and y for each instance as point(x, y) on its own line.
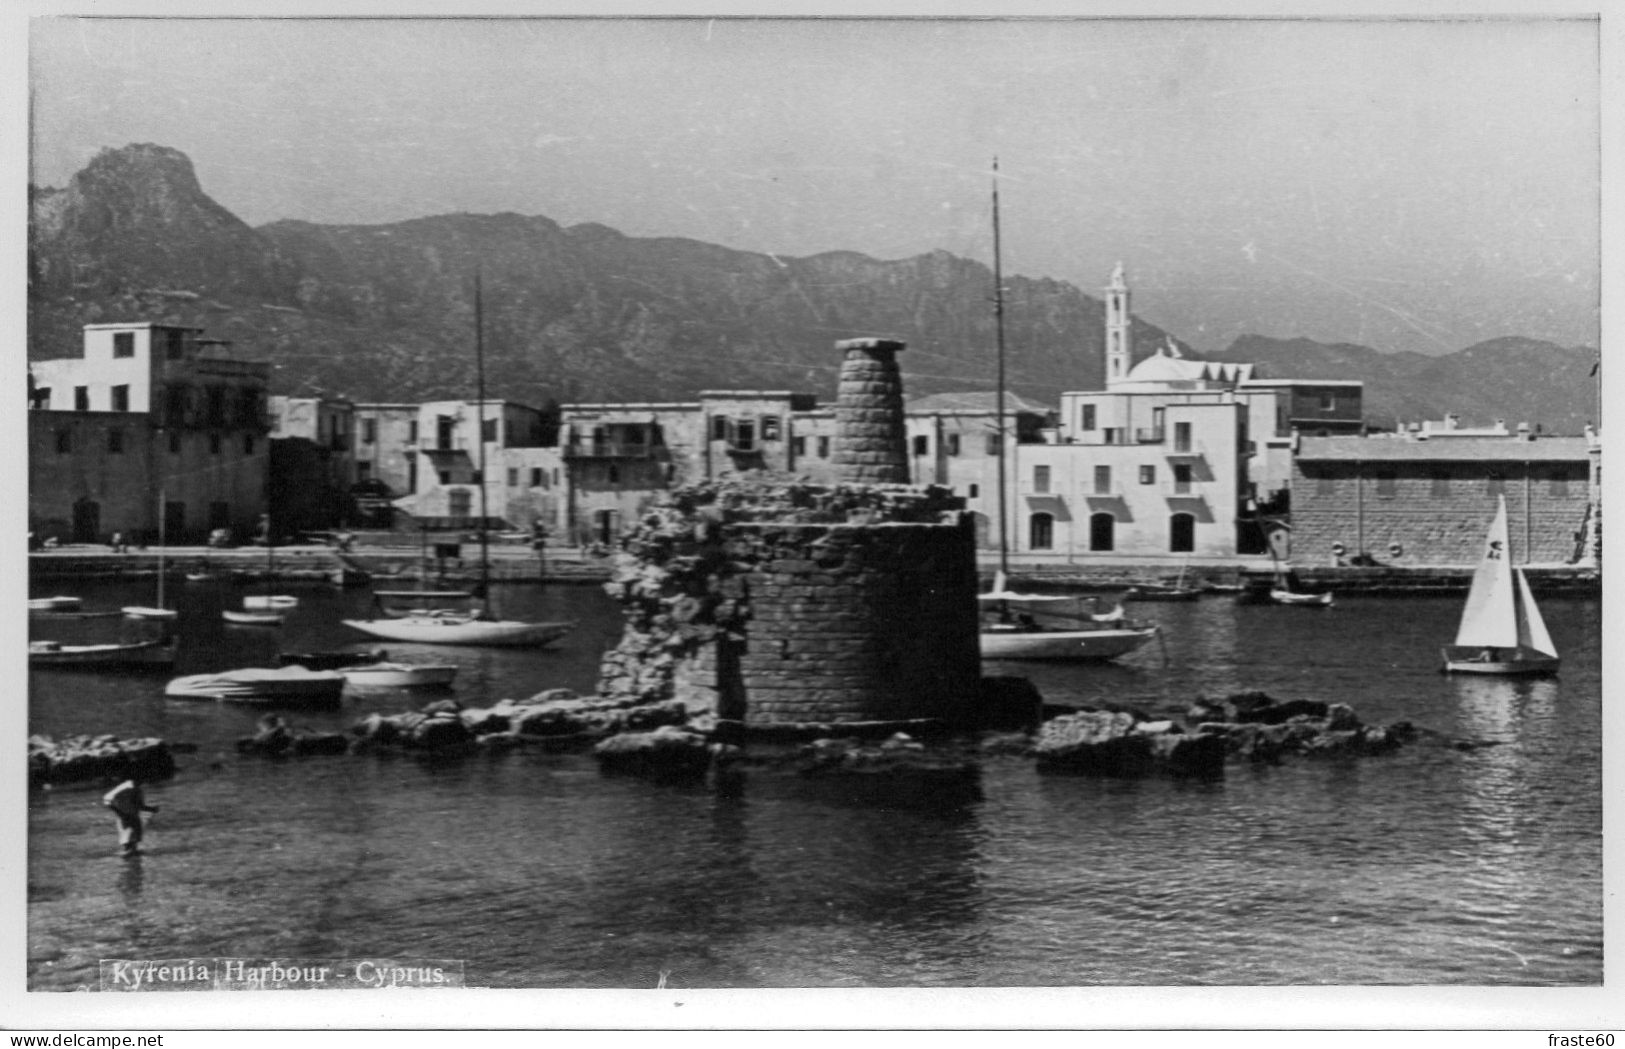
point(1117, 329)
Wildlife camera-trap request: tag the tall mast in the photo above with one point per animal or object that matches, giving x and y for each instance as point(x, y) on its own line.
point(998, 325)
point(479, 435)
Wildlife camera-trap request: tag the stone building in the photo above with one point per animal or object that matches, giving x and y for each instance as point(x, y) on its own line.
point(520, 460)
point(1426, 496)
point(1168, 458)
point(312, 463)
point(148, 413)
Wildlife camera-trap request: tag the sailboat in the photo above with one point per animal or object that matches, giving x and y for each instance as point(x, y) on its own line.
point(263, 609)
point(1501, 629)
point(477, 626)
point(422, 601)
point(1031, 626)
point(158, 611)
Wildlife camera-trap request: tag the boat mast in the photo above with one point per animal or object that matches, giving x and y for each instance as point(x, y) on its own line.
point(161, 539)
point(479, 435)
point(998, 325)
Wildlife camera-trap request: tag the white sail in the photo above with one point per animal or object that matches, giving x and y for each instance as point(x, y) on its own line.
point(1491, 617)
point(1531, 627)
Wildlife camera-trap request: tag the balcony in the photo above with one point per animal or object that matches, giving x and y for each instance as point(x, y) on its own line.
point(610, 450)
point(1148, 435)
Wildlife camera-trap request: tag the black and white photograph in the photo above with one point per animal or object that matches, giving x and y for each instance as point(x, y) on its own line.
point(718, 506)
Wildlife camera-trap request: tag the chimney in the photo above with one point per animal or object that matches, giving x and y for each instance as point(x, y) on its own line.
point(871, 440)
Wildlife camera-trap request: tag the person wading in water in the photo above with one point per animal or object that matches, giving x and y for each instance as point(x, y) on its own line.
point(128, 803)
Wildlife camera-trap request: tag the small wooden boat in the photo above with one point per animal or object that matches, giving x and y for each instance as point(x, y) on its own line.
point(143, 612)
point(54, 604)
point(1501, 629)
point(153, 653)
point(252, 618)
point(1282, 596)
point(263, 686)
point(331, 660)
point(462, 629)
point(102, 614)
point(399, 675)
point(261, 602)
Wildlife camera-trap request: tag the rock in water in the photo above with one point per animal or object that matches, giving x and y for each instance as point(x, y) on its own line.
point(668, 752)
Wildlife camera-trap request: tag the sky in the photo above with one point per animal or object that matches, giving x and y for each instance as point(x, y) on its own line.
point(1408, 185)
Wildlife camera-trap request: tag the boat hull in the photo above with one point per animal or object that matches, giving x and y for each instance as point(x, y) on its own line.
point(436, 630)
point(287, 687)
point(400, 675)
point(142, 612)
point(157, 653)
point(265, 601)
point(1465, 660)
point(253, 618)
point(1288, 597)
point(1080, 646)
point(53, 604)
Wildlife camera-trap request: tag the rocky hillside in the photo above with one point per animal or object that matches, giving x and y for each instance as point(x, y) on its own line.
point(587, 313)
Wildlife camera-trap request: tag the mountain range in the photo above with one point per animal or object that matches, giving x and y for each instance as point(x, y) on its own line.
point(585, 313)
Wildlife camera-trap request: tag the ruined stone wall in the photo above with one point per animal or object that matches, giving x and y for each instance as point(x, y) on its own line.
point(775, 604)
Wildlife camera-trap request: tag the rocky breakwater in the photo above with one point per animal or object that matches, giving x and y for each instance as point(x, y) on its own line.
point(80, 758)
point(1252, 726)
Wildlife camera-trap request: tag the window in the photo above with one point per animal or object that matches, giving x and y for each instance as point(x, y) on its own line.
point(798, 446)
point(612, 473)
point(1439, 484)
point(174, 443)
point(1182, 533)
point(445, 476)
point(477, 477)
point(1087, 422)
point(460, 502)
point(537, 477)
point(1182, 478)
point(124, 344)
point(215, 406)
point(214, 444)
point(64, 441)
point(488, 430)
point(1387, 484)
point(719, 428)
point(744, 439)
point(1328, 402)
point(922, 445)
point(412, 431)
point(121, 398)
point(369, 431)
point(513, 477)
point(1103, 480)
point(444, 425)
point(115, 441)
point(81, 398)
point(1041, 532)
point(41, 397)
point(823, 447)
point(1182, 437)
point(1148, 475)
point(953, 444)
point(1041, 480)
point(993, 444)
point(770, 427)
point(975, 490)
point(248, 444)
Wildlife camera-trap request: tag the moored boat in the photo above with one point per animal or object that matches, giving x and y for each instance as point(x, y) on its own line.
point(462, 630)
point(60, 603)
point(158, 652)
point(1292, 597)
point(261, 602)
point(1502, 631)
point(399, 675)
point(333, 660)
point(280, 686)
point(231, 615)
